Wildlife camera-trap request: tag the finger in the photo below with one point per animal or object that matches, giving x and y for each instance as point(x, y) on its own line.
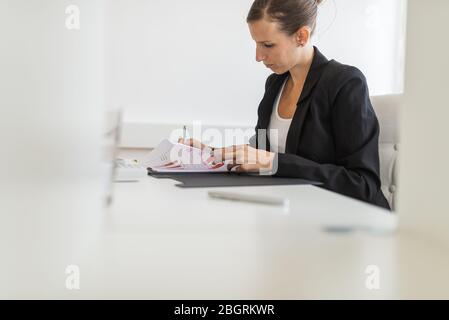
point(250, 168)
point(188, 142)
point(196, 144)
point(233, 167)
point(242, 156)
point(228, 153)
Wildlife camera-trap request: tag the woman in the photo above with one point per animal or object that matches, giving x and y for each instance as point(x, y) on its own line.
point(326, 128)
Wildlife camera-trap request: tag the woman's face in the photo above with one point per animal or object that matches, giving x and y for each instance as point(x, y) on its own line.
point(274, 48)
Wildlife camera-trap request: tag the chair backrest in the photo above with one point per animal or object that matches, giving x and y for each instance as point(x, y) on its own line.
point(387, 109)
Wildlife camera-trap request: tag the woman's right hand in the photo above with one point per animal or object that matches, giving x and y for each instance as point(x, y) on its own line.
point(194, 143)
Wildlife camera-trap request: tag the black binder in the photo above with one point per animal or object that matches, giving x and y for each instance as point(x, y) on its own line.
point(226, 179)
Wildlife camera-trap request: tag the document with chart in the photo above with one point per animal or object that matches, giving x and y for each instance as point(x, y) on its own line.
point(177, 157)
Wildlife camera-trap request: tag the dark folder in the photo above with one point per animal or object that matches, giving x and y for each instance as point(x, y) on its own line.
point(227, 179)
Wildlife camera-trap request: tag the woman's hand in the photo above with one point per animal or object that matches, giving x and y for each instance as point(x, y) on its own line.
point(245, 158)
point(206, 151)
point(194, 143)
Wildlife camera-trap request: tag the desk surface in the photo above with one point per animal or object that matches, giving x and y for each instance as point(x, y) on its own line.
point(158, 241)
point(165, 242)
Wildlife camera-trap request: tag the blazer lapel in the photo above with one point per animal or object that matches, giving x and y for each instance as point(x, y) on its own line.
point(319, 63)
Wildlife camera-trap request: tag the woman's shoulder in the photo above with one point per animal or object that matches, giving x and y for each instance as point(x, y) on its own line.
point(342, 80)
point(339, 74)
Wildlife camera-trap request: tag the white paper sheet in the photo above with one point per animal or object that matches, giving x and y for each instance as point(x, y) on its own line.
point(176, 157)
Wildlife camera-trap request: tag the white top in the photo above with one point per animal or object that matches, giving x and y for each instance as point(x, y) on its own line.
point(278, 127)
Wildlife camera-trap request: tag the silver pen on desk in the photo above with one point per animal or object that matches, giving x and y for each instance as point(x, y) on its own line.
point(273, 201)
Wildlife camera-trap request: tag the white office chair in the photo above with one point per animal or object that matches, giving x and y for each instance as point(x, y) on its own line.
point(387, 109)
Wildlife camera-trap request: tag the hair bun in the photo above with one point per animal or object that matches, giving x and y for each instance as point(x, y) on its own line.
point(291, 15)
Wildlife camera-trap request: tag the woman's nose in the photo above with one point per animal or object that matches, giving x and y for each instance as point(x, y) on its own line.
point(259, 56)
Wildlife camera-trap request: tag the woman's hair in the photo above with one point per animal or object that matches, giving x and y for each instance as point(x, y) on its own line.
point(290, 14)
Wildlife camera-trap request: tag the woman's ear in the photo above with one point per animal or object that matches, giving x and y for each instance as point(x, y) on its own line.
point(303, 36)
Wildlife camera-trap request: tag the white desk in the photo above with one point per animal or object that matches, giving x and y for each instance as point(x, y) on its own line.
point(165, 242)
point(158, 241)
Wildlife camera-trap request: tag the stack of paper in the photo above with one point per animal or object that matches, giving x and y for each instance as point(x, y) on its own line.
point(177, 157)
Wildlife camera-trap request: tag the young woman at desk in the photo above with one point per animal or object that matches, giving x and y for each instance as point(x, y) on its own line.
point(327, 130)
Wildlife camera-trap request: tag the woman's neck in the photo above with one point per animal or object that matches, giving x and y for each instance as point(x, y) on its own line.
point(299, 72)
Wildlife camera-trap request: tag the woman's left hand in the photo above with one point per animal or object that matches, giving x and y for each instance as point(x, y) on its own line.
point(244, 158)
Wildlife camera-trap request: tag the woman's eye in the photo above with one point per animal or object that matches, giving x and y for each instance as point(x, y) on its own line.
point(269, 45)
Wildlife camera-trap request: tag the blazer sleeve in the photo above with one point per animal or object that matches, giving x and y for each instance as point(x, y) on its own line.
point(355, 172)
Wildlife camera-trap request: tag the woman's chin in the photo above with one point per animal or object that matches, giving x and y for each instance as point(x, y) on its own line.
point(277, 70)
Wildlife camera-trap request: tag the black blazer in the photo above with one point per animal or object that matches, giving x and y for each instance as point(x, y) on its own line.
point(334, 133)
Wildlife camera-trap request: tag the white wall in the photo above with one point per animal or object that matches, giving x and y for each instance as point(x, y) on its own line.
point(174, 62)
point(177, 61)
point(369, 34)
